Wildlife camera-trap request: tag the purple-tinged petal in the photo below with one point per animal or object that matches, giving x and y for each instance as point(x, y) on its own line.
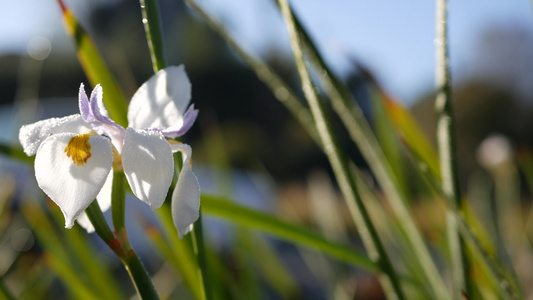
point(83, 103)
point(102, 122)
point(183, 125)
point(97, 106)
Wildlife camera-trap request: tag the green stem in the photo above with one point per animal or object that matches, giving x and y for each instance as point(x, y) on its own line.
point(122, 248)
point(139, 275)
point(361, 133)
point(118, 201)
point(199, 251)
point(339, 164)
point(120, 244)
point(99, 223)
point(448, 158)
point(152, 27)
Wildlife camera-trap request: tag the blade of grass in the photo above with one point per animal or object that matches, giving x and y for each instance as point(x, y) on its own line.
point(281, 90)
point(169, 254)
point(353, 119)
point(271, 266)
point(152, 28)
point(183, 258)
point(446, 140)
point(37, 284)
point(70, 278)
point(508, 288)
point(294, 234)
point(410, 131)
point(16, 153)
point(95, 68)
point(336, 157)
point(84, 252)
point(389, 142)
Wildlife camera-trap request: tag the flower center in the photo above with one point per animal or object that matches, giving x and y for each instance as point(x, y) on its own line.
point(79, 149)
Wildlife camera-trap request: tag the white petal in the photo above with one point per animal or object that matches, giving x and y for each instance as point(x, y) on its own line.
point(72, 187)
point(85, 223)
point(148, 165)
point(104, 201)
point(161, 101)
point(104, 197)
point(186, 196)
point(32, 135)
point(186, 202)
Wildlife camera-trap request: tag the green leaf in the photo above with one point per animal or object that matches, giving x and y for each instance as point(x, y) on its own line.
point(15, 153)
point(95, 68)
point(291, 233)
point(177, 251)
point(410, 132)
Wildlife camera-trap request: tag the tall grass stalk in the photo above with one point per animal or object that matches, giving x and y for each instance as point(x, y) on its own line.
point(337, 160)
point(360, 131)
point(280, 89)
point(447, 152)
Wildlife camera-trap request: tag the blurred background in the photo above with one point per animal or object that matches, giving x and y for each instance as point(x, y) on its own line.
point(242, 129)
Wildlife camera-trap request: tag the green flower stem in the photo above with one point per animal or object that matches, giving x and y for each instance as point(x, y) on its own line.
point(199, 251)
point(448, 158)
point(119, 242)
point(118, 200)
point(140, 277)
point(152, 27)
point(361, 133)
point(100, 225)
point(336, 158)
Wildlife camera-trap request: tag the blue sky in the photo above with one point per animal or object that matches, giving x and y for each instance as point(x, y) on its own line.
point(393, 38)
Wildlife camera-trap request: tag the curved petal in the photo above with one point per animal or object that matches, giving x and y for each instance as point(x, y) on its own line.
point(183, 125)
point(161, 101)
point(96, 114)
point(85, 223)
point(186, 196)
point(83, 103)
point(104, 201)
point(70, 185)
point(148, 165)
point(32, 135)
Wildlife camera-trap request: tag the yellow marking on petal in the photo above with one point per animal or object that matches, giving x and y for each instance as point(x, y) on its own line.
point(79, 148)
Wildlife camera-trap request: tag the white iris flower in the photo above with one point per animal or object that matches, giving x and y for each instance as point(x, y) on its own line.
point(75, 154)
